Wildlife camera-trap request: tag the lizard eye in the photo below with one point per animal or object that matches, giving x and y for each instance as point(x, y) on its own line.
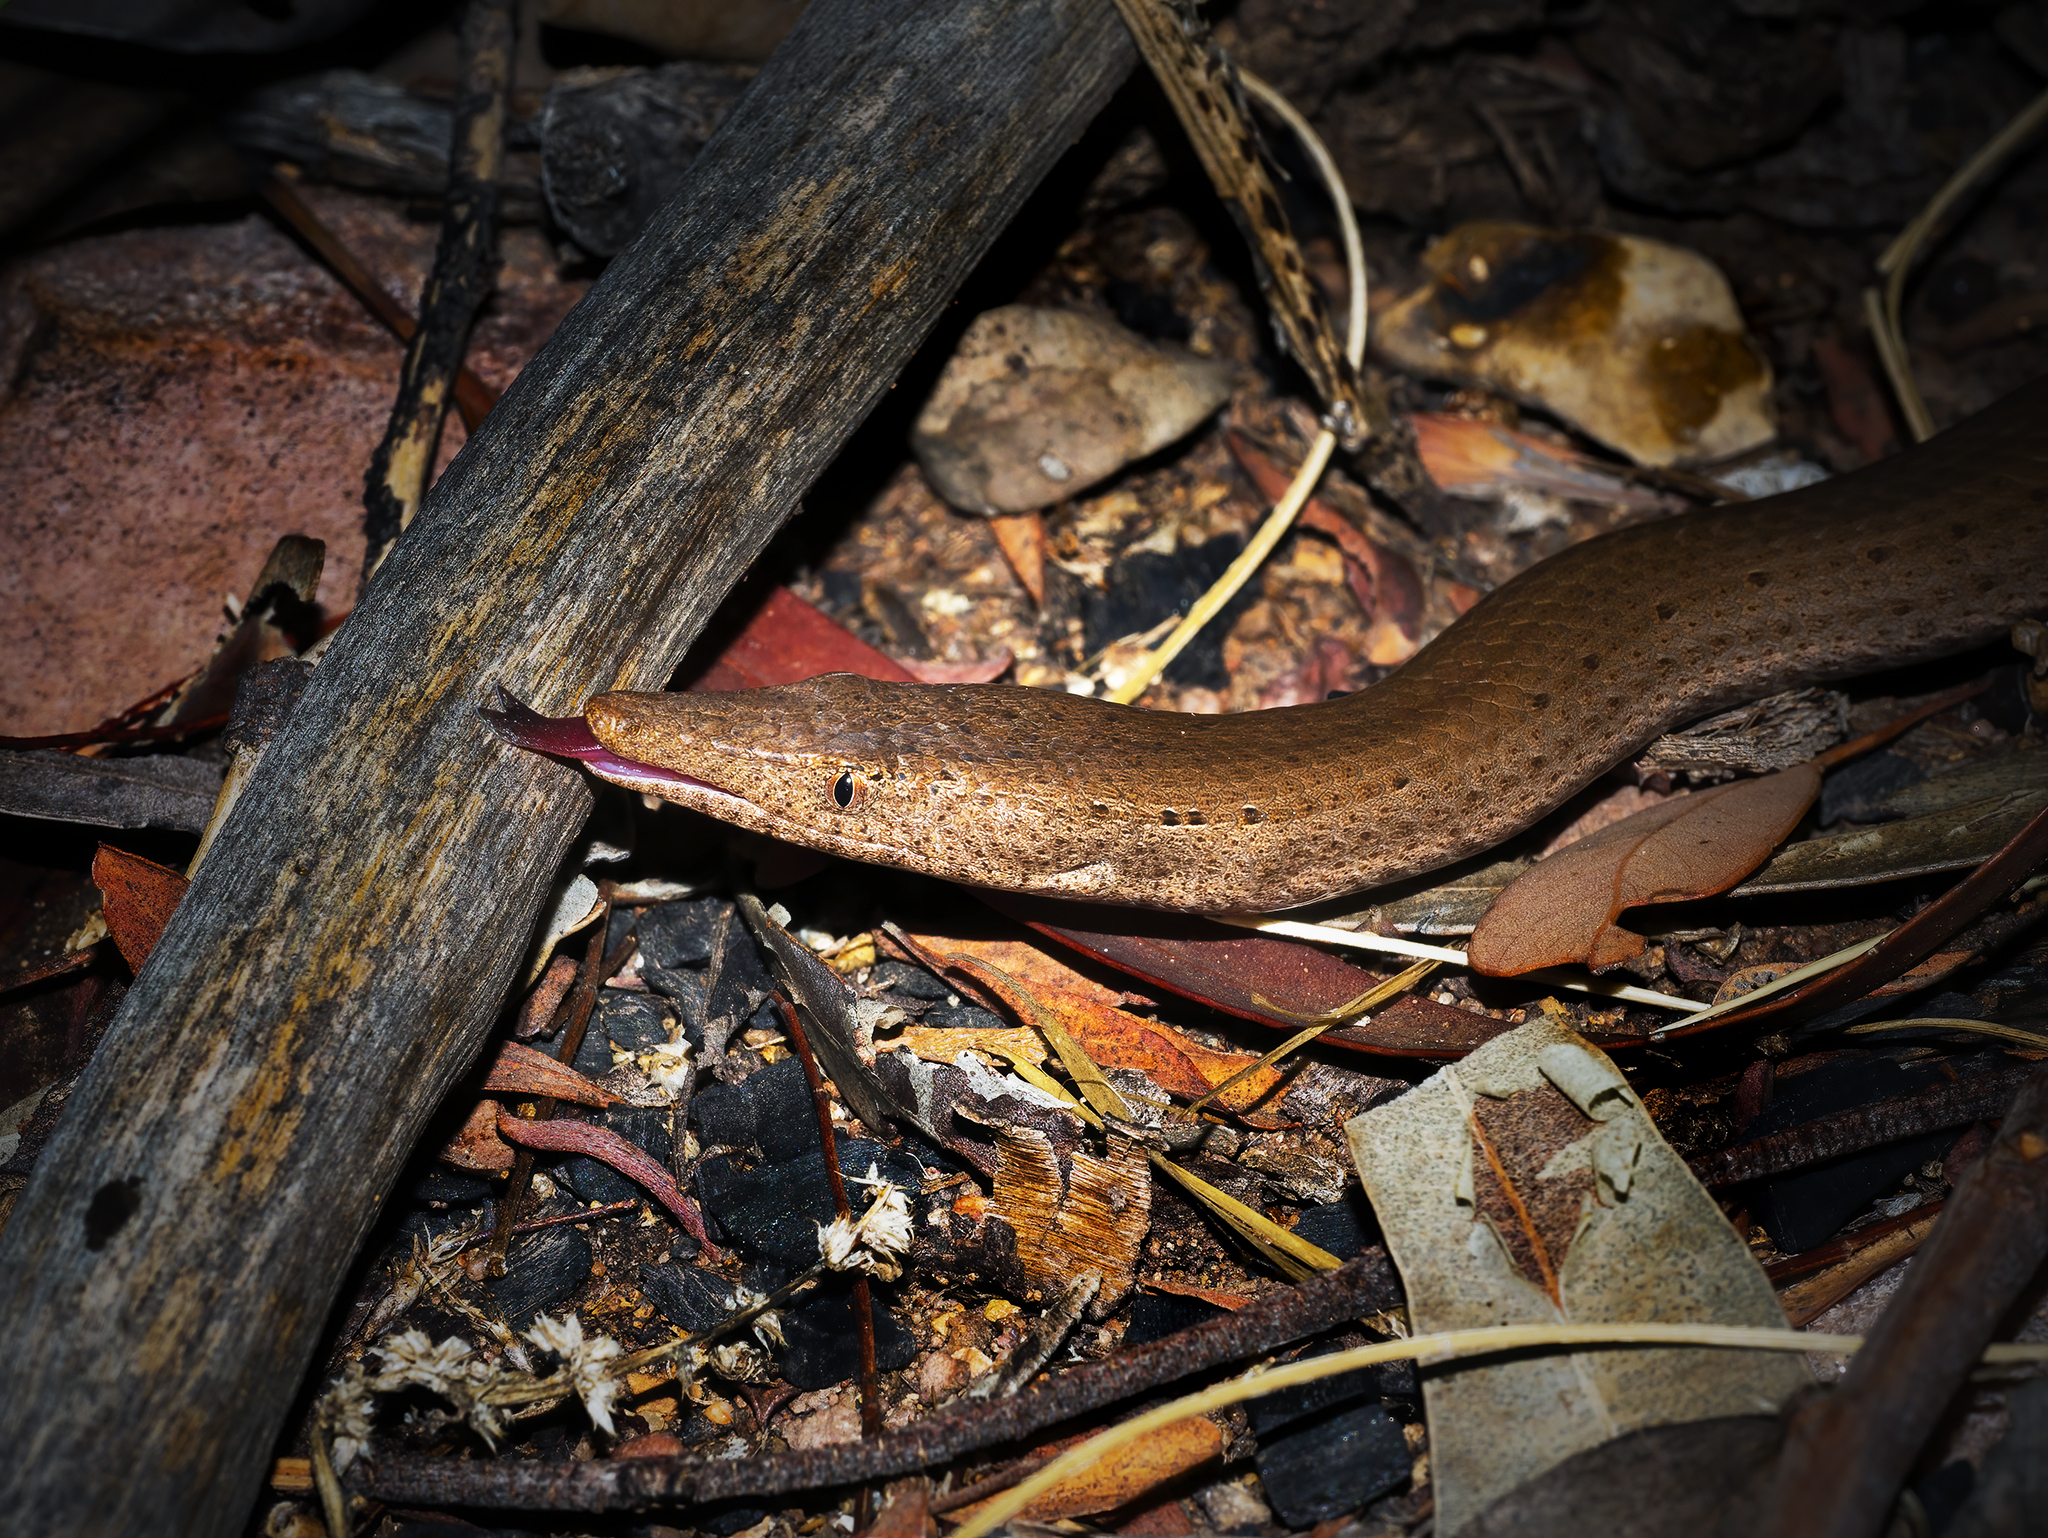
point(845, 790)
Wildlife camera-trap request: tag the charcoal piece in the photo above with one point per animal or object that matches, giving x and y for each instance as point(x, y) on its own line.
point(618, 927)
point(723, 1524)
point(633, 1020)
point(611, 152)
point(1147, 587)
point(912, 982)
point(437, 1223)
point(679, 934)
point(452, 1187)
point(740, 984)
point(688, 992)
point(1854, 792)
point(688, 1297)
point(785, 1116)
point(1343, 1228)
point(541, 1269)
point(724, 1114)
point(1805, 1208)
point(1156, 1315)
point(775, 1209)
point(1326, 1448)
point(594, 1052)
point(824, 1343)
point(646, 1127)
point(966, 1017)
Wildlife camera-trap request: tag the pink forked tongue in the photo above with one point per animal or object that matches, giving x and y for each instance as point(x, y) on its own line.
point(567, 737)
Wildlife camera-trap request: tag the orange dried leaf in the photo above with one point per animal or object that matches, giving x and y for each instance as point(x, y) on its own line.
point(138, 897)
point(521, 1070)
point(1021, 959)
point(1147, 1463)
point(1564, 908)
point(477, 1146)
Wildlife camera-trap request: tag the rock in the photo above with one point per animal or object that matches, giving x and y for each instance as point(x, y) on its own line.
point(1638, 344)
point(1037, 405)
point(176, 399)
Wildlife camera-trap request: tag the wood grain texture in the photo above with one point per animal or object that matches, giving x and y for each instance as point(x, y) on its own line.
point(351, 934)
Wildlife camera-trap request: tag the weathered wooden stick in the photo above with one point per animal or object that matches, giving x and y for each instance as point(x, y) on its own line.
point(348, 940)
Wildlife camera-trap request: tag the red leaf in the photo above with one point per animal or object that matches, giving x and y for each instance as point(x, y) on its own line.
point(629, 1159)
point(522, 1070)
point(1274, 982)
point(1563, 908)
point(788, 641)
point(139, 897)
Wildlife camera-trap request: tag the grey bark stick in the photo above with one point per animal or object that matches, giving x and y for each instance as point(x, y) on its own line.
point(464, 272)
point(346, 945)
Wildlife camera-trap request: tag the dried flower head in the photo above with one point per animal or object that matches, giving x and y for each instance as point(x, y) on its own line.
point(586, 1363)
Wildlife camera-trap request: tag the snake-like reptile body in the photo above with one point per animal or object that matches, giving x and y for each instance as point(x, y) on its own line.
point(1549, 681)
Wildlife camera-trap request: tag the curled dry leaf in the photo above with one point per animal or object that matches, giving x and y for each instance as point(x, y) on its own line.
point(138, 897)
point(1563, 908)
point(477, 1146)
point(521, 1070)
point(606, 1146)
point(1152, 1460)
point(1527, 1185)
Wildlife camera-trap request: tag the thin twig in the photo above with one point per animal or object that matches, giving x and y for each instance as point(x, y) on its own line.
point(1281, 519)
point(465, 270)
point(863, 1297)
point(1884, 311)
point(582, 999)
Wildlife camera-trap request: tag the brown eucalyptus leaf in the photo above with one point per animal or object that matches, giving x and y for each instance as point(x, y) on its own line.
point(138, 897)
point(521, 1070)
point(477, 1146)
point(1564, 908)
point(1147, 1463)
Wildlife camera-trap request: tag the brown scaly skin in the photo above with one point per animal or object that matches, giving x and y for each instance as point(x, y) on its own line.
point(1563, 672)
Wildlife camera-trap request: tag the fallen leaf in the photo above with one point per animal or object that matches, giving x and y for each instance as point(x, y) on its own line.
point(521, 1070)
point(787, 641)
point(1469, 457)
point(1563, 908)
point(1028, 963)
point(1230, 1300)
point(138, 897)
point(1275, 982)
point(477, 1145)
point(1527, 1185)
point(629, 1159)
point(1152, 1460)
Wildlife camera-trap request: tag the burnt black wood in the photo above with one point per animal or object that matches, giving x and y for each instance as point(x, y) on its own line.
point(358, 921)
